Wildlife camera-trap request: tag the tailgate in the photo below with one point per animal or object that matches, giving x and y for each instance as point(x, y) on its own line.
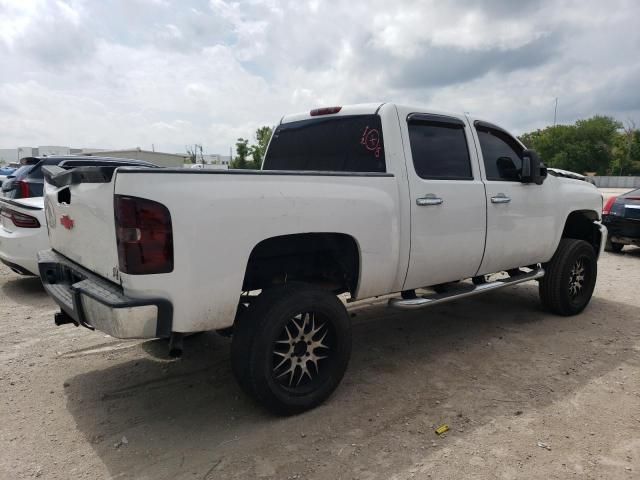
point(80, 217)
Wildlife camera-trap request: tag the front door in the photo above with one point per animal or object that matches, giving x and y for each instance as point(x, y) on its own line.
point(448, 206)
point(521, 217)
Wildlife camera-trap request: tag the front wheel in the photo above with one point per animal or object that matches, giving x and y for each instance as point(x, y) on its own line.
point(570, 277)
point(291, 347)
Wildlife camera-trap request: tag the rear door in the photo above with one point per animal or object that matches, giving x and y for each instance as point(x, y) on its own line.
point(448, 206)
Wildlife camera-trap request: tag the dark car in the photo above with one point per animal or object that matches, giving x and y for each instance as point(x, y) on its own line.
point(621, 216)
point(28, 180)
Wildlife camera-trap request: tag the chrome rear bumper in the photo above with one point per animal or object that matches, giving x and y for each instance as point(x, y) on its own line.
point(96, 303)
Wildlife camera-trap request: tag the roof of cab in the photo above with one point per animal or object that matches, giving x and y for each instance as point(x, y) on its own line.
point(358, 109)
point(371, 108)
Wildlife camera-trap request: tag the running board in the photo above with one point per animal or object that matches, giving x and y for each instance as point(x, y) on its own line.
point(465, 291)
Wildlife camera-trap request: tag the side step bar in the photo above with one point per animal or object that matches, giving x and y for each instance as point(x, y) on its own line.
point(465, 291)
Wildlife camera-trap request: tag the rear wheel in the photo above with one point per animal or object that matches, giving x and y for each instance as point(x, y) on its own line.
point(613, 246)
point(291, 347)
point(570, 277)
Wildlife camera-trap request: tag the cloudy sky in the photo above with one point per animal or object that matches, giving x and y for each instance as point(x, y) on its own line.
point(123, 73)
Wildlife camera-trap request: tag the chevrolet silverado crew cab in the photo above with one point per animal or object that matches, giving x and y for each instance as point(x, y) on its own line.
point(364, 200)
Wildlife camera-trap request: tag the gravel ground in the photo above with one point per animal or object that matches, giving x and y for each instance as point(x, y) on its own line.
point(525, 394)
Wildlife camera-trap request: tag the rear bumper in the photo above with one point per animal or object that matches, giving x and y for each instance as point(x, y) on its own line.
point(99, 304)
point(622, 230)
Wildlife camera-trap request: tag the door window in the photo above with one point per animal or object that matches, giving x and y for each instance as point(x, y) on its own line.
point(501, 153)
point(439, 148)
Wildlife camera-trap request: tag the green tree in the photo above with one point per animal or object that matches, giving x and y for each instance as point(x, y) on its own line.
point(255, 152)
point(627, 151)
point(191, 154)
point(195, 153)
point(242, 153)
point(263, 135)
point(586, 146)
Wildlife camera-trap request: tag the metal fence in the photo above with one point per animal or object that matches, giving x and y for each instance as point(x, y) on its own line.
point(615, 182)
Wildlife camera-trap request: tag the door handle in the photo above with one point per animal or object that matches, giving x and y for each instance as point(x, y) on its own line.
point(500, 198)
point(428, 199)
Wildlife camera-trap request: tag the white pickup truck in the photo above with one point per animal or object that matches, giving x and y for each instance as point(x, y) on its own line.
point(366, 200)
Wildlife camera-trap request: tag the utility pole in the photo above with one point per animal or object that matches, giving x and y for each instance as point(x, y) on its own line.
point(553, 130)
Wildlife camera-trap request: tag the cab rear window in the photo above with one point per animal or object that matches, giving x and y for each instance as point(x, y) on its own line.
point(334, 144)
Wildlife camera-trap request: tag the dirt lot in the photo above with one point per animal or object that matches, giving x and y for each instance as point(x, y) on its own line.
point(526, 394)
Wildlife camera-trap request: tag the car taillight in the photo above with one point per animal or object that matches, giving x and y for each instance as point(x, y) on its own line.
point(607, 206)
point(20, 219)
point(144, 236)
point(24, 189)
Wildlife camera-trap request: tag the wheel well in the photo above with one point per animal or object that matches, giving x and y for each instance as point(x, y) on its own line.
point(331, 260)
point(579, 225)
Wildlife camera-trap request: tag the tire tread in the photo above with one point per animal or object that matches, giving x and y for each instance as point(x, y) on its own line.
point(552, 288)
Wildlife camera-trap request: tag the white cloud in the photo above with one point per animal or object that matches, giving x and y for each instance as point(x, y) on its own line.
point(121, 73)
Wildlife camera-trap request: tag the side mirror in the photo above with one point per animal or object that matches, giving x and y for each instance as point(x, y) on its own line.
point(533, 170)
point(507, 169)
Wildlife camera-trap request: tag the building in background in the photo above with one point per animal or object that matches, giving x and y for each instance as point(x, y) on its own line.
point(49, 151)
point(159, 158)
point(10, 155)
point(217, 159)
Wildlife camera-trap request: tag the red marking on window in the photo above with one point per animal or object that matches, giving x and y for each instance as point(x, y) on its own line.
point(371, 140)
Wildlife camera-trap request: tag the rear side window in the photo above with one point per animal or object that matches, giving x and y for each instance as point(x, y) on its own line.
point(501, 153)
point(333, 144)
point(439, 148)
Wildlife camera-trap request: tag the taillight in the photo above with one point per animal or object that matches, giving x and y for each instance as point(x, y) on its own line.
point(24, 189)
point(144, 236)
point(20, 219)
point(607, 206)
point(324, 111)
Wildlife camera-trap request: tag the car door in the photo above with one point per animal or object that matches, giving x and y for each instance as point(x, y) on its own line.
point(448, 205)
point(521, 218)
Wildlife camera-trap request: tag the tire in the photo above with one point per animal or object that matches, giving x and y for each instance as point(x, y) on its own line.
point(613, 246)
point(562, 291)
point(271, 347)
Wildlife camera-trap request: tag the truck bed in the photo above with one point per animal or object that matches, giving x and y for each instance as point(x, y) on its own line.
point(218, 218)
